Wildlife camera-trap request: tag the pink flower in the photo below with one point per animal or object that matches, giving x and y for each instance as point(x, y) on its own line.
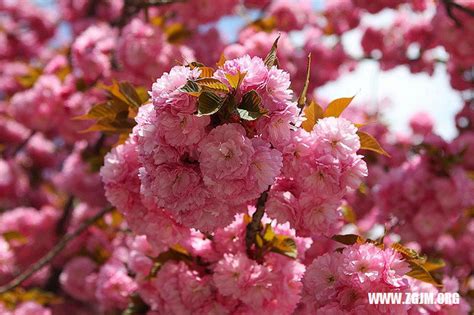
point(290, 15)
point(31, 308)
point(166, 90)
point(144, 51)
point(226, 153)
point(255, 69)
point(79, 278)
point(181, 129)
point(7, 260)
point(114, 286)
point(365, 263)
point(41, 107)
point(421, 123)
point(92, 51)
point(337, 136)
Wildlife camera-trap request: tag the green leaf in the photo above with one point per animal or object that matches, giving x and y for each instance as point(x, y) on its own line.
point(212, 85)
point(271, 58)
point(192, 88)
point(336, 107)
point(209, 103)
point(250, 108)
point(367, 142)
point(302, 98)
point(313, 112)
point(348, 239)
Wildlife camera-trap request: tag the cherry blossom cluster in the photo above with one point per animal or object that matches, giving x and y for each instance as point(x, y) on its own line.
point(339, 283)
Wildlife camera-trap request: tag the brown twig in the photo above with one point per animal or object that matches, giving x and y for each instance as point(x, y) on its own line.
point(61, 227)
point(255, 225)
point(450, 5)
point(23, 143)
point(25, 275)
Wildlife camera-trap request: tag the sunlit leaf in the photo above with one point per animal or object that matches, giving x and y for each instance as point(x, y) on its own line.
point(175, 253)
point(434, 264)
point(368, 142)
point(266, 24)
point(176, 33)
point(221, 61)
point(348, 213)
point(268, 233)
point(235, 79)
point(192, 88)
point(271, 58)
point(63, 72)
point(336, 107)
point(420, 273)
point(312, 112)
point(103, 110)
point(302, 98)
point(213, 85)
point(247, 219)
point(206, 72)
point(209, 103)
point(348, 239)
point(29, 79)
point(13, 298)
point(15, 236)
point(157, 21)
point(180, 249)
point(133, 96)
point(195, 64)
point(407, 253)
point(250, 108)
point(284, 245)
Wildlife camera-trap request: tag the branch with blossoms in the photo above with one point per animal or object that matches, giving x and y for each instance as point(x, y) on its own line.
point(54, 252)
point(254, 226)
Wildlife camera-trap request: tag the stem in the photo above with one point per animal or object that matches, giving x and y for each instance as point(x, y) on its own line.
point(53, 252)
point(254, 226)
point(23, 143)
point(62, 223)
point(450, 5)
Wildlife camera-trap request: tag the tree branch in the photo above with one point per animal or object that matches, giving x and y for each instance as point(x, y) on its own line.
point(255, 225)
point(53, 252)
point(450, 5)
point(23, 143)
